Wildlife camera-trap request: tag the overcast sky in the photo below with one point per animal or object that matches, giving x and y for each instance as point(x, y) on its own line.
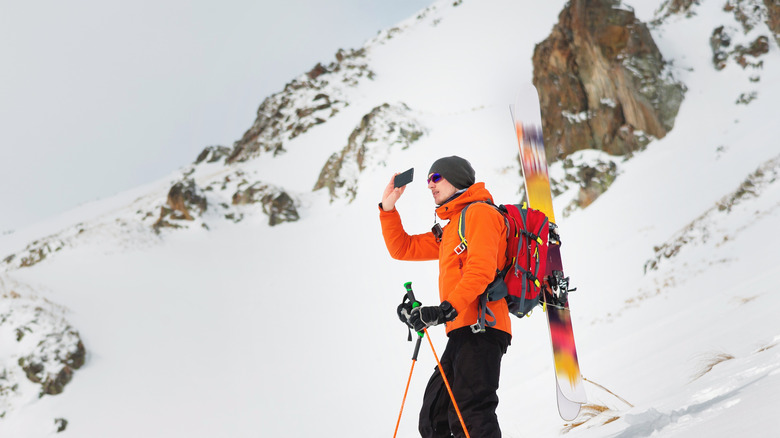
point(100, 96)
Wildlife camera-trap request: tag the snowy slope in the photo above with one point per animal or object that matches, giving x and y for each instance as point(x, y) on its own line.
point(241, 329)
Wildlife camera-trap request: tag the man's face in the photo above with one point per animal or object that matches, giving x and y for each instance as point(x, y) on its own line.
point(442, 190)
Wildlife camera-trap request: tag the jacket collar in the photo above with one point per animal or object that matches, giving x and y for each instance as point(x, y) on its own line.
point(477, 192)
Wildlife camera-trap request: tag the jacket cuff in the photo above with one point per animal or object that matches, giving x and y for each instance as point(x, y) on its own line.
point(382, 209)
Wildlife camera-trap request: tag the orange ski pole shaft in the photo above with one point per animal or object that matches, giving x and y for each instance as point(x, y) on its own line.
point(447, 383)
point(397, 423)
point(406, 391)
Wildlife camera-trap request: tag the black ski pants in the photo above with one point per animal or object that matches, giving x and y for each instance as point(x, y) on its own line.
point(472, 363)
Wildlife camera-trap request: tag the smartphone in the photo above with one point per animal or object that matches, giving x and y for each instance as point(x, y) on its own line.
point(403, 179)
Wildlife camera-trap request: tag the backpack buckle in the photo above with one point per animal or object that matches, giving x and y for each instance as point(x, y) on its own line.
point(460, 248)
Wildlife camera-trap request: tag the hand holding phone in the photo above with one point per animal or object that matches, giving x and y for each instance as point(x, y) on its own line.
point(403, 179)
point(395, 188)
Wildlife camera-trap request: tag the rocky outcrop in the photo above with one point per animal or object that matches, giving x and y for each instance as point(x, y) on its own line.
point(185, 201)
point(749, 13)
point(53, 361)
point(277, 204)
point(41, 347)
point(580, 178)
point(745, 56)
point(307, 101)
point(773, 18)
point(672, 7)
point(593, 180)
point(730, 43)
point(380, 131)
point(212, 154)
point(602, 81)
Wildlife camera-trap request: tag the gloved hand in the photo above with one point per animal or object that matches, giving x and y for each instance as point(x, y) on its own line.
point(423, 317)
point(404, 311)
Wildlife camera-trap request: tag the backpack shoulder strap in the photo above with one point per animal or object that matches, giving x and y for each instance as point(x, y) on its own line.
point(462, 231)
point(462, 226)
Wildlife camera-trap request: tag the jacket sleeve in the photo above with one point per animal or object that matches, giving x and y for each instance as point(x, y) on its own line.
point(485, 230)
point(403, 246)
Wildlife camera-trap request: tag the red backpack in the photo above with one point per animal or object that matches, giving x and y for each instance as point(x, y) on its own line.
point(520, 281)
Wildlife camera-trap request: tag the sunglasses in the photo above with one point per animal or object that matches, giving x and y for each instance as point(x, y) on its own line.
point(434, 178)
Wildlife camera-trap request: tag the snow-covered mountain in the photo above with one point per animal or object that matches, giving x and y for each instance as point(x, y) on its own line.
point(250, 293)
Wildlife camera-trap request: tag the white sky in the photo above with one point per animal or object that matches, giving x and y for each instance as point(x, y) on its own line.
point(99, 96)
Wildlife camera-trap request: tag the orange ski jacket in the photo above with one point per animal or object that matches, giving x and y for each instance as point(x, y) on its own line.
point(462, 277)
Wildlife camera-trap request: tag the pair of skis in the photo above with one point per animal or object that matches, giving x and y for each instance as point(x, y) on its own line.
point(568, 380)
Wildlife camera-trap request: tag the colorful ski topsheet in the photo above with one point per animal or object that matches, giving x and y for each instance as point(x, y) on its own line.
point(528, 127)
point(567, 368)
point(532, 157)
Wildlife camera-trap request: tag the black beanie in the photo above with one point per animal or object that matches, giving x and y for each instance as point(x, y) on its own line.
point(454, 169)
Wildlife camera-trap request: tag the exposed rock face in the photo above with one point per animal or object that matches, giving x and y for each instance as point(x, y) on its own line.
point(745, 56)
point(602, 82)
point(185, 201)
point(719, 43)
point(212, 154)
point(594, 181)
point(728, 43)
point(580, 178)
point(55, 371)
point(750, 13)
point(670, 7)
point(369, 143)
point(277, 204)
point(41, 346)
point(307, 101)
point(61, 424)
point(773, 17)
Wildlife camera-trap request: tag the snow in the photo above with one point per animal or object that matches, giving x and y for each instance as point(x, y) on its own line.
point(243, 329)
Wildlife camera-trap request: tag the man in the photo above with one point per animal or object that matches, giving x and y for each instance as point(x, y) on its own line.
point(471, 361)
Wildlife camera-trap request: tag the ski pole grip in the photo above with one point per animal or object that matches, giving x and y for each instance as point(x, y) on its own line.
point(415, 303)
point(410, 294)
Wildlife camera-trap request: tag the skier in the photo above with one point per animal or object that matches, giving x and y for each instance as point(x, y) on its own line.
point(471, 361)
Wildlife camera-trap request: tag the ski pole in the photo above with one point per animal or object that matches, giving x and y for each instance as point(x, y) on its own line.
point(406, 391)
point(447, 383)
point(415, 303)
